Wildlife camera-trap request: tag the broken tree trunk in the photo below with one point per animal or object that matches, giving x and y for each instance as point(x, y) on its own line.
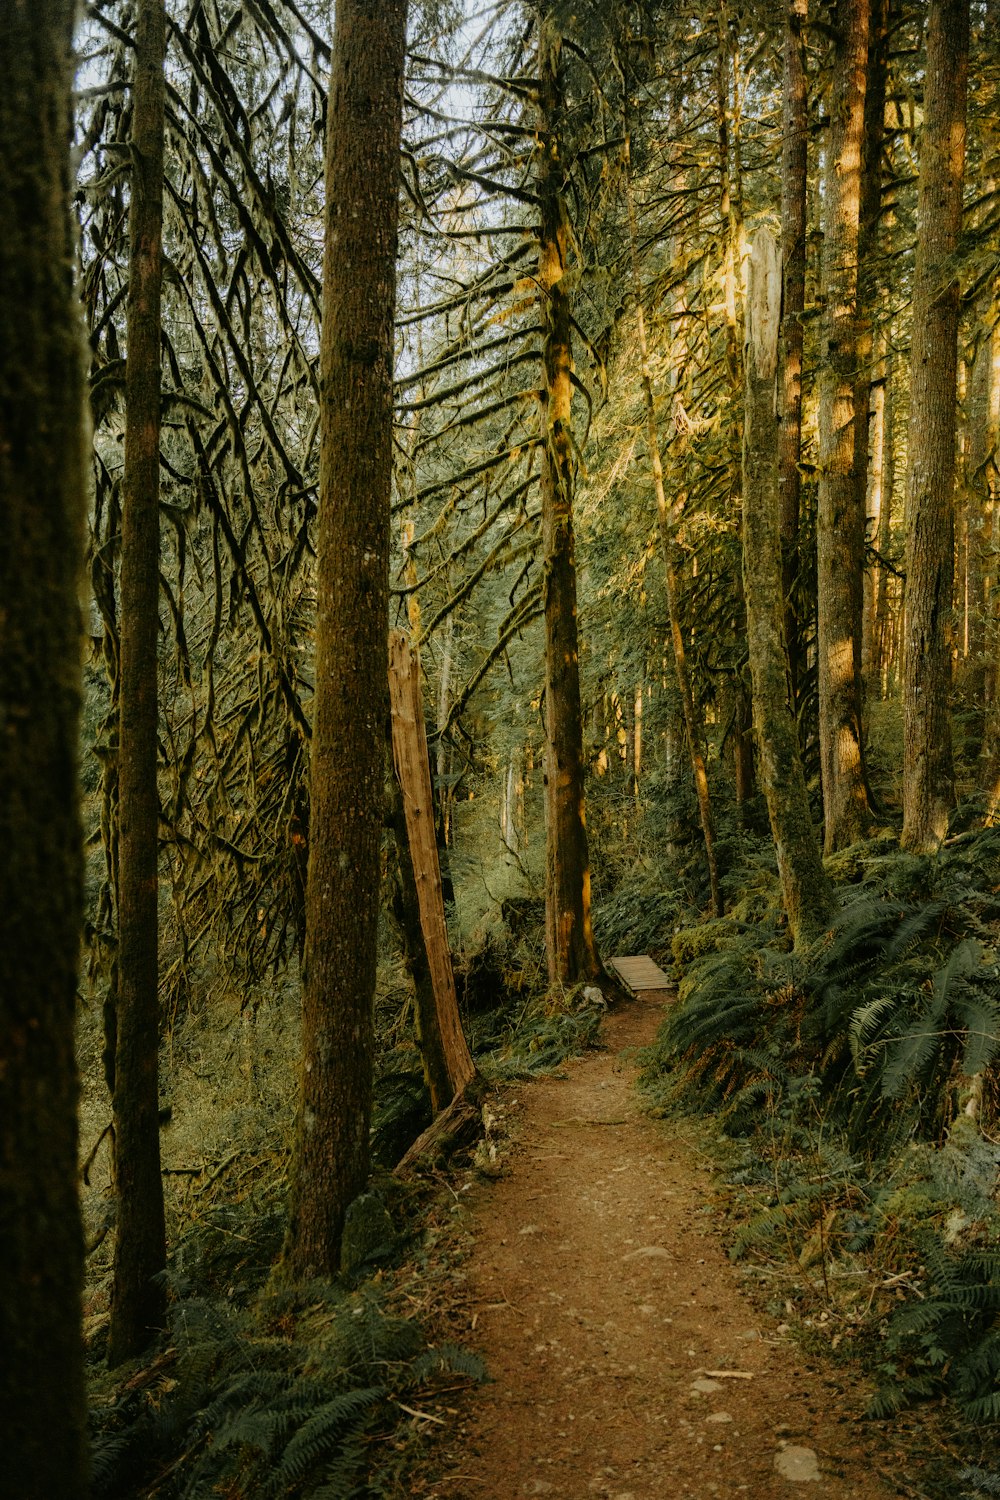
point(409, 750)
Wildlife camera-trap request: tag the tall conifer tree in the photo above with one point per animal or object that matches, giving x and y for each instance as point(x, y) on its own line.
point(364, 122)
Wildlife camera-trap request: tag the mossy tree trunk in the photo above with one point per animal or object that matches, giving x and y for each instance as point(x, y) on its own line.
point(928, 775)
point(806, 891)
point(840, 515)
point(138, 1295)
point(42, 1409)
point(331, 1156)
point(570, 946)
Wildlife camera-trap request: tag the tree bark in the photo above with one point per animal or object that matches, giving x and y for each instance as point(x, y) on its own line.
point(928, 776)
point(692, 728)
point(138, 1296)
point(794, 153)
point(441, 1031)
point(979, 497)
point(840, 515)
point(870, 209)
point(406, 910)
point(42, 1404)
point(331, 1155)
point(806, 892)
point(570, 946)
point(879, 512)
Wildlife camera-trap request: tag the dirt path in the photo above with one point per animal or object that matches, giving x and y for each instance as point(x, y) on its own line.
point(626, 1361)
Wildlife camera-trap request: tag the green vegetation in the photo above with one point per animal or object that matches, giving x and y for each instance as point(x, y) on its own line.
point(857, 1083)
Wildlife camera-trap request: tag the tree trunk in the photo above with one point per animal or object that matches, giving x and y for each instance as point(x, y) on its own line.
point(794, 154)
point(692, 727)
point(841, 515)
point(570, 947)
point(331, 1156)
point(138, 1296)
point(42, 1404)
point(879, 517)
point(978, 501)
point(442, 1031)
point(730, 200)
point(928, 776)
point(869, 395)
point(870, 210)
point(406, 911)
point(806, 892)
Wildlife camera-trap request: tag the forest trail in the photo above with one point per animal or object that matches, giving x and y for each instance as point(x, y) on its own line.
point(625, 1360)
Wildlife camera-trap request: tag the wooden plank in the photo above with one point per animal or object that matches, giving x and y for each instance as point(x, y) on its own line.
point(639, 972)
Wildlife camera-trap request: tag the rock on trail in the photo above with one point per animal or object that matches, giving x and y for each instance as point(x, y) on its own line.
point(626, 1361)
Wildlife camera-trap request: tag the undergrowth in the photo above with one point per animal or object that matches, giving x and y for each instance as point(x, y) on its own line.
point(859, 1082)
point(299, 1395)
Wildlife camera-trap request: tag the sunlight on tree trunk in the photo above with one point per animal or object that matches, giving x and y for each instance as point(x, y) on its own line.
point(840, 513)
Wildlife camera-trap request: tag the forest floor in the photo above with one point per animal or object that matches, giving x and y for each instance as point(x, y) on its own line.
point(626, 1360)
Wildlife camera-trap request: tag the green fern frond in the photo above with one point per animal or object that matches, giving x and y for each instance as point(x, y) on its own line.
point(913, 927)
point(344, 1477)
point(315, 1438)
point(447, 1359)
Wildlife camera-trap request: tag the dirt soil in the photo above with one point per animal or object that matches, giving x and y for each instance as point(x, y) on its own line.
point(626, 1360)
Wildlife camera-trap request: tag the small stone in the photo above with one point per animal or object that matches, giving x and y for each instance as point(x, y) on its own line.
point(800, 1465)
point(719, 1416)
point(705, 1387)
point(648, 1252)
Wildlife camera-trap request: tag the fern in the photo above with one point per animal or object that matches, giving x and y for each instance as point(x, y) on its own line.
point(447, 1359)
point(327, 1428)
point(344, 1476)
point(254, 1413)
point(983, 1482)
point(950, 1342)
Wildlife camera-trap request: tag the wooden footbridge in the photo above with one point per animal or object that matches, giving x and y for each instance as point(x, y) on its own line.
point(639, 973)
